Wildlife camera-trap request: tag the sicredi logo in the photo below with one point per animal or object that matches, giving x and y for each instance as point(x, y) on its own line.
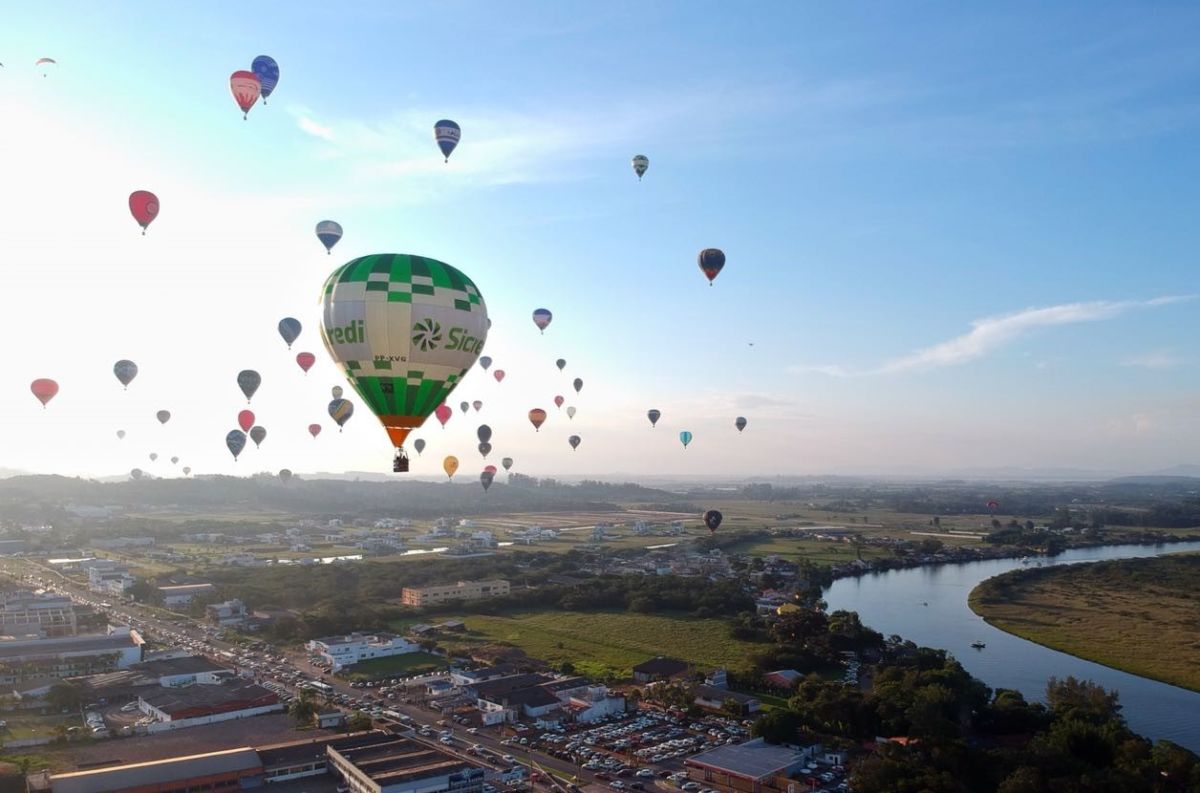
point(427, 336)
point(354, 333)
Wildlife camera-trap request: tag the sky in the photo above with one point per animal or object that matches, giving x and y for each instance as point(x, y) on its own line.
point(958, 236)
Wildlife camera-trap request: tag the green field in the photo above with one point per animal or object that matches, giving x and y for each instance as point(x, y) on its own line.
point(610, 643)
point(1138, 615)
point(408, 664)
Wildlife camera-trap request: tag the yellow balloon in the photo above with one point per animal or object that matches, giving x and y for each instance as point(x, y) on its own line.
point(450, 465)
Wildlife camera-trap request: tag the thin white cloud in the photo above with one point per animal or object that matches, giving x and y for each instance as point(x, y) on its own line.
point(992, 333)
point(306, 124)
point(1157, 359)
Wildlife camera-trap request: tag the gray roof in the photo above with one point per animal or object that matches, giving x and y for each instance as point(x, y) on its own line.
point(188, 665)
point(714, 694)
point(172, 700)
point(156, 772)
point(750, 760)
point(98, 643)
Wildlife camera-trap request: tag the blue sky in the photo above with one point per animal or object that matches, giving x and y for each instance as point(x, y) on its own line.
point(958, 236)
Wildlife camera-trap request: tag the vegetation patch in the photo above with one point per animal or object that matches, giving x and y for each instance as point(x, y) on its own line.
point(407, 664)
point(1137, 615)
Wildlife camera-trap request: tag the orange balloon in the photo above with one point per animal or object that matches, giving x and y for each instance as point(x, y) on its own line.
point(450, 465)
point(537, 417)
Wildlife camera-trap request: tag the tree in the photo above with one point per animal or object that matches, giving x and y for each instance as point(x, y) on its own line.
point(303, 708)
point(778, 726)
point(567, 668)
point(358, 722)
point(63, 696)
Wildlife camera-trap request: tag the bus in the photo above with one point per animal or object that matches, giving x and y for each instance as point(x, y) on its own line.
point(319, 687)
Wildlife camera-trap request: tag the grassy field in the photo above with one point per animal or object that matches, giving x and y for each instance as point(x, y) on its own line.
point(612, 643)
point(1138, 615)
point(408, 664)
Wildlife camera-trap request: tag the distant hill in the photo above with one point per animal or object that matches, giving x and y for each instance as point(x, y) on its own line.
point(5, 473)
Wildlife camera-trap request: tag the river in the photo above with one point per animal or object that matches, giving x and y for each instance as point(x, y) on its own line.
point(893, 602)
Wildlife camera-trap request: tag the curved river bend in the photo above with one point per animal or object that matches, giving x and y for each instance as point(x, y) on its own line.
point(893, 602)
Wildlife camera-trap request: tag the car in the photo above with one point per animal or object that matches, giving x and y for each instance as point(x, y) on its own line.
point(690, 787)
point(508, 758)
point(617, 784)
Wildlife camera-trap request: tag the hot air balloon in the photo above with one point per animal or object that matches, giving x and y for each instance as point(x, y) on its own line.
point(654, 416)
point(305, 360)
point(712, 519)
point(993, 505)
point(558, 401)
point(541, 318)
point(411, 309)
point(314, 430)
point(507, 462)
point(329, 232)
point(537, 417)
point(711, 262)
point(419, 445)
point(246, 420)
point(44, 389)
point(174, 461)
point(443, 414)
point(477, 404)
point(163, 416)
point(235, 440)
point(245, 87)
point(267, 71)
point(578, 385)
point(740, 423)
point(485, 448)
point(136, 473)
point(464, 406)
point(685, 438)
point(289, 329)
point(120, 435)
point(499, 375)
point(187, 470)
point(640, 163)
point(336, 392)
point(143, 205)
point(450, 465)
point(485, 362)
point(258, 435)
point(125, 371)
point(340, 410)
point(153, 456)
point(561, 363)
point(486, 478)
point(484, 433)
point(249, 380)
point(574, 441)
point(447, 134)
point(570, 411)
point(285, 475)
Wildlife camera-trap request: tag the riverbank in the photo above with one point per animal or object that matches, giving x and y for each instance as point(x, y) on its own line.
point(1134, 615)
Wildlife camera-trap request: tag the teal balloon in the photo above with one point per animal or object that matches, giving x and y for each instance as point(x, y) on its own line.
point(685, 437)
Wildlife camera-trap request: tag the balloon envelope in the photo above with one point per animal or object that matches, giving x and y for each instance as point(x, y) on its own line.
point(477, 404)
point(419, 445)
point(235, 441)
point(305, 360)
point(249, 380)
point(711, 261)
point(570, 411)
point(541, 318)
point(120, 434)
point(174, 461)
point(485, 362)
point(640, 163)
point(258, 435)
point(450, 465)
point(507, 462)
point(484, 433)
point(537, 417)
point(486, 478)
point(267, 71)
point(422, 314)
point(574, 441)
point(136, 473)
point(289, 329)
point(246, 88)
point(485, 448)
point(685, 438)
point(340, 410)
point(499, 375)
point(163, 416)
point(143, 205)
point(329, 232)
point(712, 519)
point(246, 420)
point(187, 469)
point(740, 423)
point(561, 363)
point(443, 413)
point(654, 416)
point(44, 389)
point(285, 475)
point(153, 456)
point(314, 430)
point(464, 406)
point(558, 401)
point(336, 392)
point(578, 385)
point(125, 371)
point(447, 134)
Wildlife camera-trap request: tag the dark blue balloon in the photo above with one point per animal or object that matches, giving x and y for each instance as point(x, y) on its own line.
point(267, 71)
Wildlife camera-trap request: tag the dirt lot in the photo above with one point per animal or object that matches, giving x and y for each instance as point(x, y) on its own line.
point(257, 731)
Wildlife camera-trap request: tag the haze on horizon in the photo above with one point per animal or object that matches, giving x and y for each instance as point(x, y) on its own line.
point(959, 238)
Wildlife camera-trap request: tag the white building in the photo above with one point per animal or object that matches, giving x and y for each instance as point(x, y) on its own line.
point(182, 594)
point(343, 651)
point(231, 612)
point(108, 576)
